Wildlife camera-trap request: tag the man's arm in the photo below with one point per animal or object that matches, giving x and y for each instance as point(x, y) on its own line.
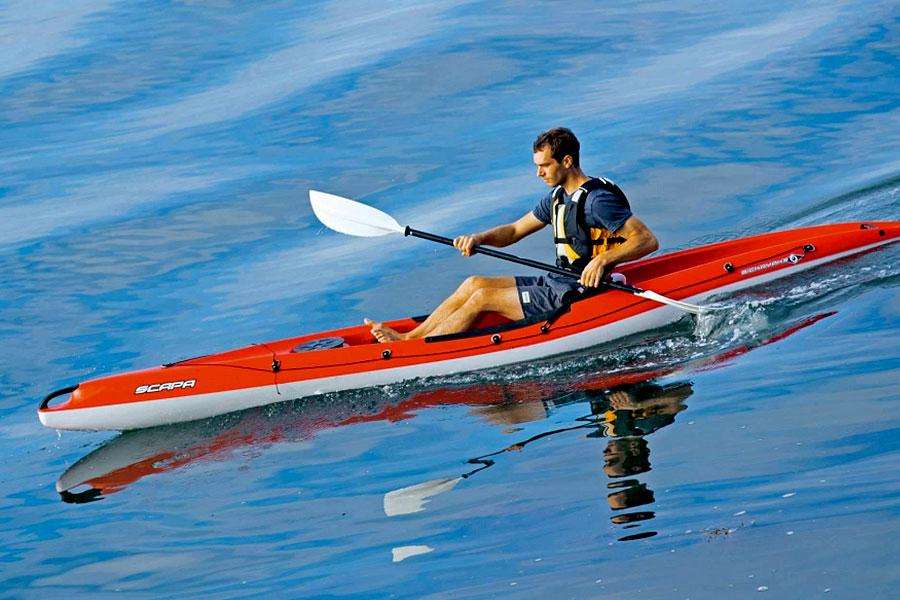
point(639, 242)
point(501, 236)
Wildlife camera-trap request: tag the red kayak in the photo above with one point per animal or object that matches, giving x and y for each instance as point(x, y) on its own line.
point(350, 358)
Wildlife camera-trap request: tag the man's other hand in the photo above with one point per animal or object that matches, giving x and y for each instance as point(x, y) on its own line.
point(593, 272)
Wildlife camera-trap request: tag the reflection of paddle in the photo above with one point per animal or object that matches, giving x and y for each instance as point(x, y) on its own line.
point(412, 499)
point(354, 218)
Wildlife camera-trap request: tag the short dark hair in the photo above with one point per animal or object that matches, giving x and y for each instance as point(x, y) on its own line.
point(561, 142)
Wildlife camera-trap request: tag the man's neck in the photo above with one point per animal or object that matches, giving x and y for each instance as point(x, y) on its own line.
point(574, 180)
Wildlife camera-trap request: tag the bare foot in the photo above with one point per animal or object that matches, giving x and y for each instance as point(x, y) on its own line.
point(383, 333)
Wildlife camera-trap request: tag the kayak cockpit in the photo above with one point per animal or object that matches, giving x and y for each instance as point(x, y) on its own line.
point(361, 335)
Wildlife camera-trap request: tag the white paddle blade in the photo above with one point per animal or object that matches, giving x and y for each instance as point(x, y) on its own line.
point(351, 217)
point(691, 308)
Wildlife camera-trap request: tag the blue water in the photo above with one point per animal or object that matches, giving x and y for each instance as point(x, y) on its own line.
point(154, 166)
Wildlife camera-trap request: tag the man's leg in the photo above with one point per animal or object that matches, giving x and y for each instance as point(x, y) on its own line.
point(501, 300)
point(447, 308)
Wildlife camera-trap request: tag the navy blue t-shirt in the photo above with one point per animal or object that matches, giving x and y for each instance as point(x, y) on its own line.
point(602, 209)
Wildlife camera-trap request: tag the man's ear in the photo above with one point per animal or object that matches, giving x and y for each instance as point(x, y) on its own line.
point(567, 161)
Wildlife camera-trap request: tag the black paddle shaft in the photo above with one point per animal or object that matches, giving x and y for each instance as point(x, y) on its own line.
point(517, 259)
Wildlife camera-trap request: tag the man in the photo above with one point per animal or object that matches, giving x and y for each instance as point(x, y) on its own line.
point(593, 228)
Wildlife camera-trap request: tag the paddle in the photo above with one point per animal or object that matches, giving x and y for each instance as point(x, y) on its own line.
point(354, 218)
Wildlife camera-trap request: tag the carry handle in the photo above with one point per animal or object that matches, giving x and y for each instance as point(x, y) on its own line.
point(66, 390)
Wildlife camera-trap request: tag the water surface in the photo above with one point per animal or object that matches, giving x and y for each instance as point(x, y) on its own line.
point(153, 177)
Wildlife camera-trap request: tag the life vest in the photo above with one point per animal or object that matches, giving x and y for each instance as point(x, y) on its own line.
point(576, 243)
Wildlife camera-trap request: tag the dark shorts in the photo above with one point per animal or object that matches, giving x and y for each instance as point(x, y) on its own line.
point(539, 295)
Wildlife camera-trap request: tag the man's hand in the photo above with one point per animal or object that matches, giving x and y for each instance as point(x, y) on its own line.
point(593, 272)
point(622, 400)
point(466, 243)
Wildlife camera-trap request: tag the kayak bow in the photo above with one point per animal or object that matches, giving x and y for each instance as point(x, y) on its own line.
point(350, 358)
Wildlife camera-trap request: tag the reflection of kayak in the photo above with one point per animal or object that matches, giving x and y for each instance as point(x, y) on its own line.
point(349, 358)
point(135, 454)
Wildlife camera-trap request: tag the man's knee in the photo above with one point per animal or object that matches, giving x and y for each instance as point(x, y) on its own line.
point(482, 299)
point(501, 300)
point(471, 285)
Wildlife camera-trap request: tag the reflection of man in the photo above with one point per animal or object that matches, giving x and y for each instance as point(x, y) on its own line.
point(626, 456)
point(636, 411)
point(644, 408)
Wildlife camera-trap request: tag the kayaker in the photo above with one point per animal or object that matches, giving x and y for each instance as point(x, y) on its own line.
point(594, 230)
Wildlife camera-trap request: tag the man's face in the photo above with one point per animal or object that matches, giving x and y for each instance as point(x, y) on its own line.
point(549, 169)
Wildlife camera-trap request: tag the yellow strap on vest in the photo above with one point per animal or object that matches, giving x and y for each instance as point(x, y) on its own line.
point(610, 419)
point(559, 232)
